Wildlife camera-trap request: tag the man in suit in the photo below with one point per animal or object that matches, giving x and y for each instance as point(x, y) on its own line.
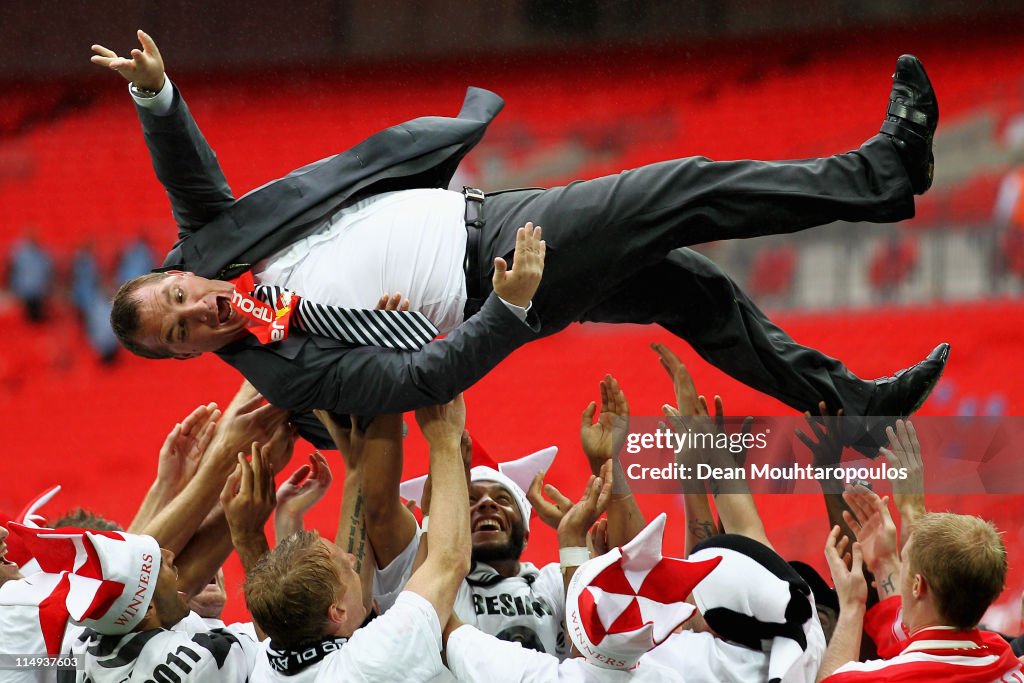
point(614, 252)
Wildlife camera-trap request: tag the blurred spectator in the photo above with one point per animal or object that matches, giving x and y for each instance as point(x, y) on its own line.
point(97, 328)
point(136, 259)
point(31, 275)
point(891, 264)
point(92, 303)
point(1008, 215)
point(85, 278)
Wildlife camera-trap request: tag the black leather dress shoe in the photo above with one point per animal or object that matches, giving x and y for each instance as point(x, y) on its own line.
point(911, 120)
point(898, 396)
point(906, 390)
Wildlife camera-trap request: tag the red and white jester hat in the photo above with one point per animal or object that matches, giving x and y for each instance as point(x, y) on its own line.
point(623, 603)
point(515, 475)
point(101, 579)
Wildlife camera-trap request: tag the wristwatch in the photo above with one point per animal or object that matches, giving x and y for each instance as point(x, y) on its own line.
point(142, 92)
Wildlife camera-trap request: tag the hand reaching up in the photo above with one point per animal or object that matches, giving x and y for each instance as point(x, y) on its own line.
point(602, 440)
point(145, 69)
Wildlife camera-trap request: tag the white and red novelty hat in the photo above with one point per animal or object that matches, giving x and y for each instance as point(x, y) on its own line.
point(101, 579)
point(623, 603)
point(514, 475)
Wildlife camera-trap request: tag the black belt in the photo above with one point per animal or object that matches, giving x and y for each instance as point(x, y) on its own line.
point(474, 224)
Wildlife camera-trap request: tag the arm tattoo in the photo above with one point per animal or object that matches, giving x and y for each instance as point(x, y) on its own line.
point(357, 531)
point(702, 529)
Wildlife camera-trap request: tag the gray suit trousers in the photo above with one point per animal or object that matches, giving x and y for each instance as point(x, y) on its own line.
point(616, 254)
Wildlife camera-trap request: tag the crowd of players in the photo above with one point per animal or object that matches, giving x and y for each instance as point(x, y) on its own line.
point(444, 595)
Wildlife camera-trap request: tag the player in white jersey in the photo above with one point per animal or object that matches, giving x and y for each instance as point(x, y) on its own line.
point(21, 632)
point(620, 605)
point(123, 589)
point(502, 596)
point(307, 596)
point(45, 613)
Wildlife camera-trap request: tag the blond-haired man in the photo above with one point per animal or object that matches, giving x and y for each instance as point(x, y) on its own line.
point(933, 593)
point(307, 596)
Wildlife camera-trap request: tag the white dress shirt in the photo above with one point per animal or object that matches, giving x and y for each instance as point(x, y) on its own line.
point(411, 241)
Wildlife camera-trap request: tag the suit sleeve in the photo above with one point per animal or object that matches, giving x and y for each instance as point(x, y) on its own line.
point(372, 380)
point(185, 165)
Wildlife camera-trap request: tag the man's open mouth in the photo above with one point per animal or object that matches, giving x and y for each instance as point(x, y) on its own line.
point(487, 524)
point(224, 310)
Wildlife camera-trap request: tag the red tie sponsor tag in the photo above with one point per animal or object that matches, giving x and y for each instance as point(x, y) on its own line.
point(266, 324)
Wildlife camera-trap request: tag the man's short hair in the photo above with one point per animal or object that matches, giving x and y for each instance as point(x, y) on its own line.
point(126, 320)
point(964, 561)
point(86, 519)
point(291, 588)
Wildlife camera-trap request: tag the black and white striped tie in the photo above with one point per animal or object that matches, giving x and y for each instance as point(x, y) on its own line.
point(403, 330)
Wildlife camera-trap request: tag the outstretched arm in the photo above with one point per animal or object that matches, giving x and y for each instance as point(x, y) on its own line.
point(875, 531)
point(905, 452)
point(243, 422)
point(848, 578)
point(737, 511)
point(183, 160)
point(301, 491)
point(447, 563)
point(602, 442)
point(179, 459)
point(700, 521)
point(827, 451)
point(212, 543)
point(351, 532)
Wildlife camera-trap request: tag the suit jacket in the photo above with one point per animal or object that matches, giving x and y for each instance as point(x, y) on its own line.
point(220, 237)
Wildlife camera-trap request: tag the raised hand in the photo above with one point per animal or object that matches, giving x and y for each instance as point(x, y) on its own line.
point(145, 69)
point(305, 487)
point(905, 452)
point(876, 535)
point(740, 457)
point(281, 446)
point(442, 424)
point(603, 439)
point(847, 570)
point(577, 520)
point(299, 493)
point(549, 511)
point(828, 449)
point(184, 447)
point(517, 286)
point(687, 401)
point(248, 498)
point(246, 419)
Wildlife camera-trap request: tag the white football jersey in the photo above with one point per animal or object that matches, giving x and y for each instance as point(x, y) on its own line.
point(404, 644)
point(188, 653)
point(527, 609)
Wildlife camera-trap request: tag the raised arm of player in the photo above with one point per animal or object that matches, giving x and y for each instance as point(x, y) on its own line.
point(448, 556)
point(245, 421)
point(177, 462)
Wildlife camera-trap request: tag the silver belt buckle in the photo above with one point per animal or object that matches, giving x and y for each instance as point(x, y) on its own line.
point(473, 194)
